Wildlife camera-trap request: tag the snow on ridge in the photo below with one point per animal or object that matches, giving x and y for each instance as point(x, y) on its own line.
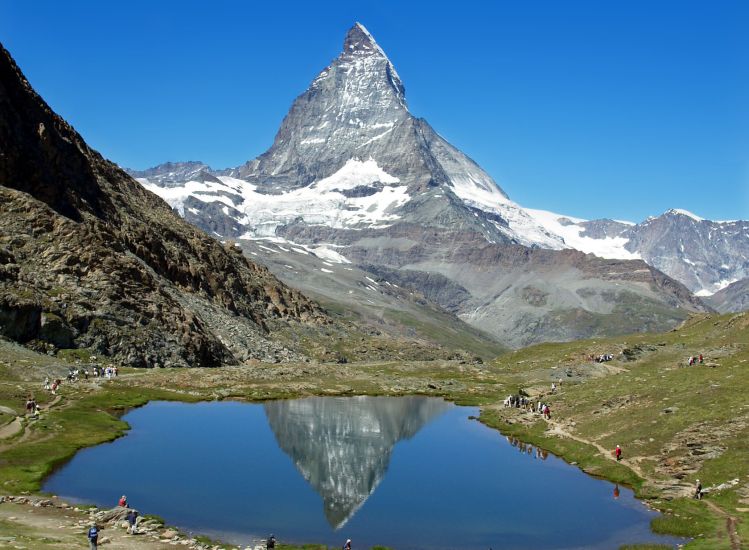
point(355, 173)
point(320, 203)
point(326, 253)
point(685, 213)
point(610, 247)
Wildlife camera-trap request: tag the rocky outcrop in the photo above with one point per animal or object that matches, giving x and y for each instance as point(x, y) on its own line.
point(88, 258)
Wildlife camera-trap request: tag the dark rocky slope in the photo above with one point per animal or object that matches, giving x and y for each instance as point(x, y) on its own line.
point(88, 258)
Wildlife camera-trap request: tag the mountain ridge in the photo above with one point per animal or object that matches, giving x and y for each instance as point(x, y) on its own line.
point(352, 173)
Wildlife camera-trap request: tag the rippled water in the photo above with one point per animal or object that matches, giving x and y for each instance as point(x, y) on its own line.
point(409, 473)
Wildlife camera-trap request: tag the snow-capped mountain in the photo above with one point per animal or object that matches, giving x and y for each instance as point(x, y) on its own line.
point(349, 154)
point(706, 256)
point(353, 173)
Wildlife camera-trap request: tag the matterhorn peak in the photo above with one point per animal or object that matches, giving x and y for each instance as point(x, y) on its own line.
point(359, 39)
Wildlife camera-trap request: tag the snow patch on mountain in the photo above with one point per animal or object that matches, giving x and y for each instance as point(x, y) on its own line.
point(353, 174)
point(321, 203)
point(611, 247)
point(687, 213)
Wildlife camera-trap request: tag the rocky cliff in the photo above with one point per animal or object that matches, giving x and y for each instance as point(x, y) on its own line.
point(89, 258)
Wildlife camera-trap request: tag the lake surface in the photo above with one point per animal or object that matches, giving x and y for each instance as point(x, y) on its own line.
point(411, 473)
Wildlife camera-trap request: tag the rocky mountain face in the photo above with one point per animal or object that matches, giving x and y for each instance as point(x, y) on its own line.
point(353, 178)
point(89, 258)
point(342, 446)
point(704, 255)
point(732, 299)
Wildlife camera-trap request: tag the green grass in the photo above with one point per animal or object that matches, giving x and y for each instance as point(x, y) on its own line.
point(625, 407)
point(89, 421)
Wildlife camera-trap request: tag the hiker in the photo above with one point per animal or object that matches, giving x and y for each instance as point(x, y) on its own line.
point(55, 385)
point(618, 453)
point(93, 536)
point(46, 383)
point(122, 502)
point(347, 546)
point(701, 359)
point(271, 542)
point(132, 520)
point(547, 412)
point(553, 387)
point(698, 490)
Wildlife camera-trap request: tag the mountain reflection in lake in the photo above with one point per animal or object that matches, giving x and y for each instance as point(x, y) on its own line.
point(342, 446)
point(411, 473)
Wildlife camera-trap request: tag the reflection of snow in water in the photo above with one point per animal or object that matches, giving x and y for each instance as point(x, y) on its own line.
point(342, 446)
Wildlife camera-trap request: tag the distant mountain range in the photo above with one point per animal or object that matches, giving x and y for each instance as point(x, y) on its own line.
point(354, 183)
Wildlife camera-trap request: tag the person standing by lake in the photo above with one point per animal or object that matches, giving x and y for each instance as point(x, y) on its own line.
point(132, 521)
point(618, 453)
point(93, 536)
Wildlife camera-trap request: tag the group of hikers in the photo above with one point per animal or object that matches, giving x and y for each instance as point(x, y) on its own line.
point(132, 517)
point(51, 386)
point(519, 401)
point(32, 407)
point(75, 373)
point(695, 360)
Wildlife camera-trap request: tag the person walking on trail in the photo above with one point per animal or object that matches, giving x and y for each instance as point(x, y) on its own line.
point(347, 546)
point(271, 542)
point(132, 521)
point(618, 453)
point(93, 536)
point(698, 490)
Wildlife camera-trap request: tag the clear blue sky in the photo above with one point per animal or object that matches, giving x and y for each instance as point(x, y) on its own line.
point(617, 109)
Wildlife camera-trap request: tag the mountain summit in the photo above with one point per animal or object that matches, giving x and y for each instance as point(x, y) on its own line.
point(353, 176)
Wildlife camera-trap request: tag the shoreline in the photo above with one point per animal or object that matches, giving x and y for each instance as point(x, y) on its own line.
point(596, 397)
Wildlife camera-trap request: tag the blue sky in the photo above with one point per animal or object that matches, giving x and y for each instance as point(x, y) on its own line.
point(591, 109)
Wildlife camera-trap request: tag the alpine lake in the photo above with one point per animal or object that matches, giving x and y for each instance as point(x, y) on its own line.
point(409, 473)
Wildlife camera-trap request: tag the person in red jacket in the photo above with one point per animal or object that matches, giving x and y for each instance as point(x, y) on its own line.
point(123, 501)
point(618, 453)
